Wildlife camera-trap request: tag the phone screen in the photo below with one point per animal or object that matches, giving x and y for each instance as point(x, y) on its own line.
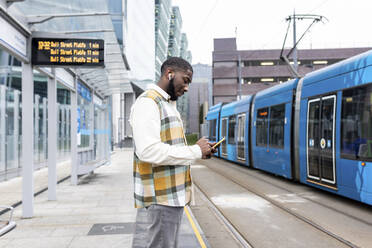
point(218, 143)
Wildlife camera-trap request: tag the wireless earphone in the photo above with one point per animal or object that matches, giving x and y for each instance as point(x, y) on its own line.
point(170, 77)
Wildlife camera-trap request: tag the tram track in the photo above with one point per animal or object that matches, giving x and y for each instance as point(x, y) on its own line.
point(230, 226)
point(248, 173)
point(275, 203)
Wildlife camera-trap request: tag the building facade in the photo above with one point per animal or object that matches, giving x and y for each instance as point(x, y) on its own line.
point(184, 46)
point(174, 38)
point(183, 101)
point(155, 28)
point(260, 69)
point(139, 49)
point(163, 10)
point(140, 45)
point(198, 96)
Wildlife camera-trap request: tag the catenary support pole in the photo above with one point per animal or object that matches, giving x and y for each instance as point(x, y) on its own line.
point(295, 63)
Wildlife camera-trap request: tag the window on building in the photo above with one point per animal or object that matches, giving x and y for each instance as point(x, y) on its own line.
point(261, 126)
point(115, 7)
point(118, 27)
point(232, 123)
point(247, 63)
point(320, 62)
point(276, 129)
point(267, 80)
point(266, 63)
point(247, 80)
point(356, 123)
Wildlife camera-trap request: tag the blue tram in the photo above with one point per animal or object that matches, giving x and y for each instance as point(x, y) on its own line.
point(316, 130)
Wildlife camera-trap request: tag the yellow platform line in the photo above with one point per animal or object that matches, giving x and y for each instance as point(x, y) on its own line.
point(196, 231)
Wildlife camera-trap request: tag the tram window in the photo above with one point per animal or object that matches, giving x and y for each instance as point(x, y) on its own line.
point(276, 130)
point(232, 123)
point(241, 127)
point(223, 134)
point(212, 129)
point(261, 127)
point(356, 123)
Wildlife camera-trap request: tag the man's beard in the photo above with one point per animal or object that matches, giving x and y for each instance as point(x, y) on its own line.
point(171, 90)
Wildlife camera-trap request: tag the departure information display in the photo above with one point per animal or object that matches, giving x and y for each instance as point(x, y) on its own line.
point(67, 52)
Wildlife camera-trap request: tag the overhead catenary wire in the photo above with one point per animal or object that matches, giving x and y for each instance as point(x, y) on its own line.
point(207, 17)
point(315, 18)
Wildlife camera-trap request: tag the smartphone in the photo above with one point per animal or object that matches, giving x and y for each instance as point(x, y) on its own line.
point(218, 143)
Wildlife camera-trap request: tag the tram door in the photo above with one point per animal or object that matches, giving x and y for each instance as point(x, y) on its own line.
point(321, 139)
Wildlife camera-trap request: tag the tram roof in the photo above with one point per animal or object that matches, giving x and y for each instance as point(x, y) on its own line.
point(277, 89)
point(351, 64)
point(214, 111)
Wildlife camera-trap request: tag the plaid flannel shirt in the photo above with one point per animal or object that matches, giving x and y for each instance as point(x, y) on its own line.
point(166, 184)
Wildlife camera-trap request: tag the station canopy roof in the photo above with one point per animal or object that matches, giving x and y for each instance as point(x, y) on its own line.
point(83, 19)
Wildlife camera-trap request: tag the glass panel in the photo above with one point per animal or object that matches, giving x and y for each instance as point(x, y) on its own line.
point(232, 122)
point(11, 160)
point(36, 129)
point(46, 130)
point(327, 138)
point(59, 130)
point(261, 127)
point(20, 132)
point(276, 130)
point(41, 145)
point(313, 138)
point(356, 123)
point(64, 144)
point(96, 128)
point(212, 129)
point(223, 134)
point(84, 115)
point(2, 130)
point(241, 135)
point(69, 130)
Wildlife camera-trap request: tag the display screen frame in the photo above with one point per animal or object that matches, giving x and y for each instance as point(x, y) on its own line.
point(67, 52)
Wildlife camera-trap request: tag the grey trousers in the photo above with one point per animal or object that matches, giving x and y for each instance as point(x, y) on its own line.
point(157, 226)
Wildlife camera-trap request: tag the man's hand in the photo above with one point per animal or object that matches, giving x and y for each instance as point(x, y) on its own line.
point(205, 148)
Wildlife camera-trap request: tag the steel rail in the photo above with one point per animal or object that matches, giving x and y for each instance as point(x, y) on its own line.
point(289, 211)
point(304, 197)
point(218, 212)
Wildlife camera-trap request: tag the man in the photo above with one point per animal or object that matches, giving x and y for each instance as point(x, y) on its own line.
point(161, 166)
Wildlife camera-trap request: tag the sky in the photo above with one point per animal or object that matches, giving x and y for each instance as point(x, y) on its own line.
point(261, 24)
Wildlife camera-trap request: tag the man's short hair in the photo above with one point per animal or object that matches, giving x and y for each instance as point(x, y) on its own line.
point(175, 63)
